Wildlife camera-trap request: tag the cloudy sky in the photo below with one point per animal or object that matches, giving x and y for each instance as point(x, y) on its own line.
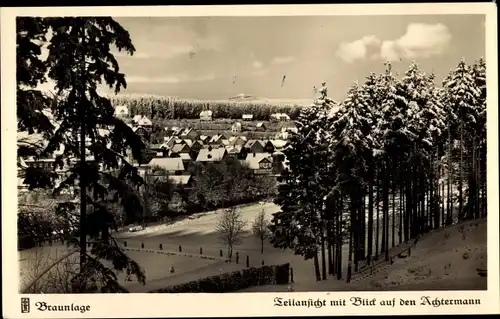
point(219, 57)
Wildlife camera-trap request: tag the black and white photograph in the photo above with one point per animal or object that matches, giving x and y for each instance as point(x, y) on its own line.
point(248, 154)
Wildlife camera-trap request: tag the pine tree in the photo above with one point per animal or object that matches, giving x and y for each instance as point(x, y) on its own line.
point(300, 225)
point(79, 60)
point(351, 145)
point(462, 95)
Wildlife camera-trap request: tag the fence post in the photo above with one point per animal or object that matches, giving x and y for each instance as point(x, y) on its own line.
point(161, 246)
point(221, 252)
point(180, 248)
point(125, 243)
point(142, 244)
point(291, 274)
point(237, 257)
point(248, 261)
point(409, 251)
point(201, 250)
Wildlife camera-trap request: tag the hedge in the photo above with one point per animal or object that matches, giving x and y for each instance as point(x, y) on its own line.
point(236, 280)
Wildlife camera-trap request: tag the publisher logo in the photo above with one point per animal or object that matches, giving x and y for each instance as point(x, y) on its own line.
point(25, 305)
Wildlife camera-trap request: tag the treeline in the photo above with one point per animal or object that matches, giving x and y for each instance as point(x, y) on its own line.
point(167, 108)
point(400, 157)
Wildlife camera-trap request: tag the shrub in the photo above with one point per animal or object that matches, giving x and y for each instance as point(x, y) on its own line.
point(233, 281)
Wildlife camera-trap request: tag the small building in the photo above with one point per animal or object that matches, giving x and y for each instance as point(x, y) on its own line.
point(211, 155)
point(276, 117)
point(137, 118)
point(237, 140)
point(196, 146)
point(247, 117)
point(173, 165)
point(216, 139)
point(180, 148)
point(254, 146)
point(181, 180)
point(260, 163)
point(236, 127)
point(206, 115)
point(268, 146)
point(122, 111)
point(144, 122)
point(189, 133)
point(204, 138)
point(279, 144)
point(261, 126)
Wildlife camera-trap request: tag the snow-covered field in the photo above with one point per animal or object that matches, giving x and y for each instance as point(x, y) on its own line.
point(202, 223)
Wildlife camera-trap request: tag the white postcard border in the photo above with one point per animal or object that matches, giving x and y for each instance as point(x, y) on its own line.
point(238, 304)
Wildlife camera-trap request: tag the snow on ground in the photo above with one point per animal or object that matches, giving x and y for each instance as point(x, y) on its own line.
point(202, 223)
point(450, 254)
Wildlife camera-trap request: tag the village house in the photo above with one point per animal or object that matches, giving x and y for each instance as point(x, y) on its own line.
point(206, 115)
point(236, 127)
point(237, 140)
point(261, 126)
point(279, 144)
point(204, 138)
point(276, 117)
point(196, 146)
point(173, 165)
point(254, 146)
point(217, 139)
point(182, 181)
point(180, 148)
point(142, 132)
point(247, 117)
point(122, 111)
point(189, 133)
point(260, 163)
point(268, 146)
point(211, 155)
point(173, 131)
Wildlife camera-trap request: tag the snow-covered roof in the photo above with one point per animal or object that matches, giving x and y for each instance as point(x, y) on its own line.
point(168, 163)
point(253, 159)
point(180, 179)
point(211, 155)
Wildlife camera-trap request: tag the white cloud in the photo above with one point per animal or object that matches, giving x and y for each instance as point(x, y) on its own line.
point(420, 40)
point(283, 59)
point(257, 64)
point(358, 49)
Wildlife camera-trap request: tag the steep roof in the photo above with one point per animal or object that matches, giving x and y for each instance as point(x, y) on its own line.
point(178, 148)
point(168, 163)
point(180, 179)
point(213, 155)
point(253, 159)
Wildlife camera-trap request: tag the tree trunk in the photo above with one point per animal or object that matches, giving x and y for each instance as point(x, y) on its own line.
point(323, 256)
point(377, 230)
point(349, 265)
point(262, 245)
point(393, 205)
point(340, 239)
point(370, 216)
point(449, 202)
point(83, 189)
point(460, 178)
point(316, 267)
point(385, 209)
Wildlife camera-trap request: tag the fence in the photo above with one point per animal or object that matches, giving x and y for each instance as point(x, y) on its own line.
point(370, 270)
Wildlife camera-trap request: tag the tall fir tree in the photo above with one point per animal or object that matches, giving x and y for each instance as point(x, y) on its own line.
point(93, 140)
